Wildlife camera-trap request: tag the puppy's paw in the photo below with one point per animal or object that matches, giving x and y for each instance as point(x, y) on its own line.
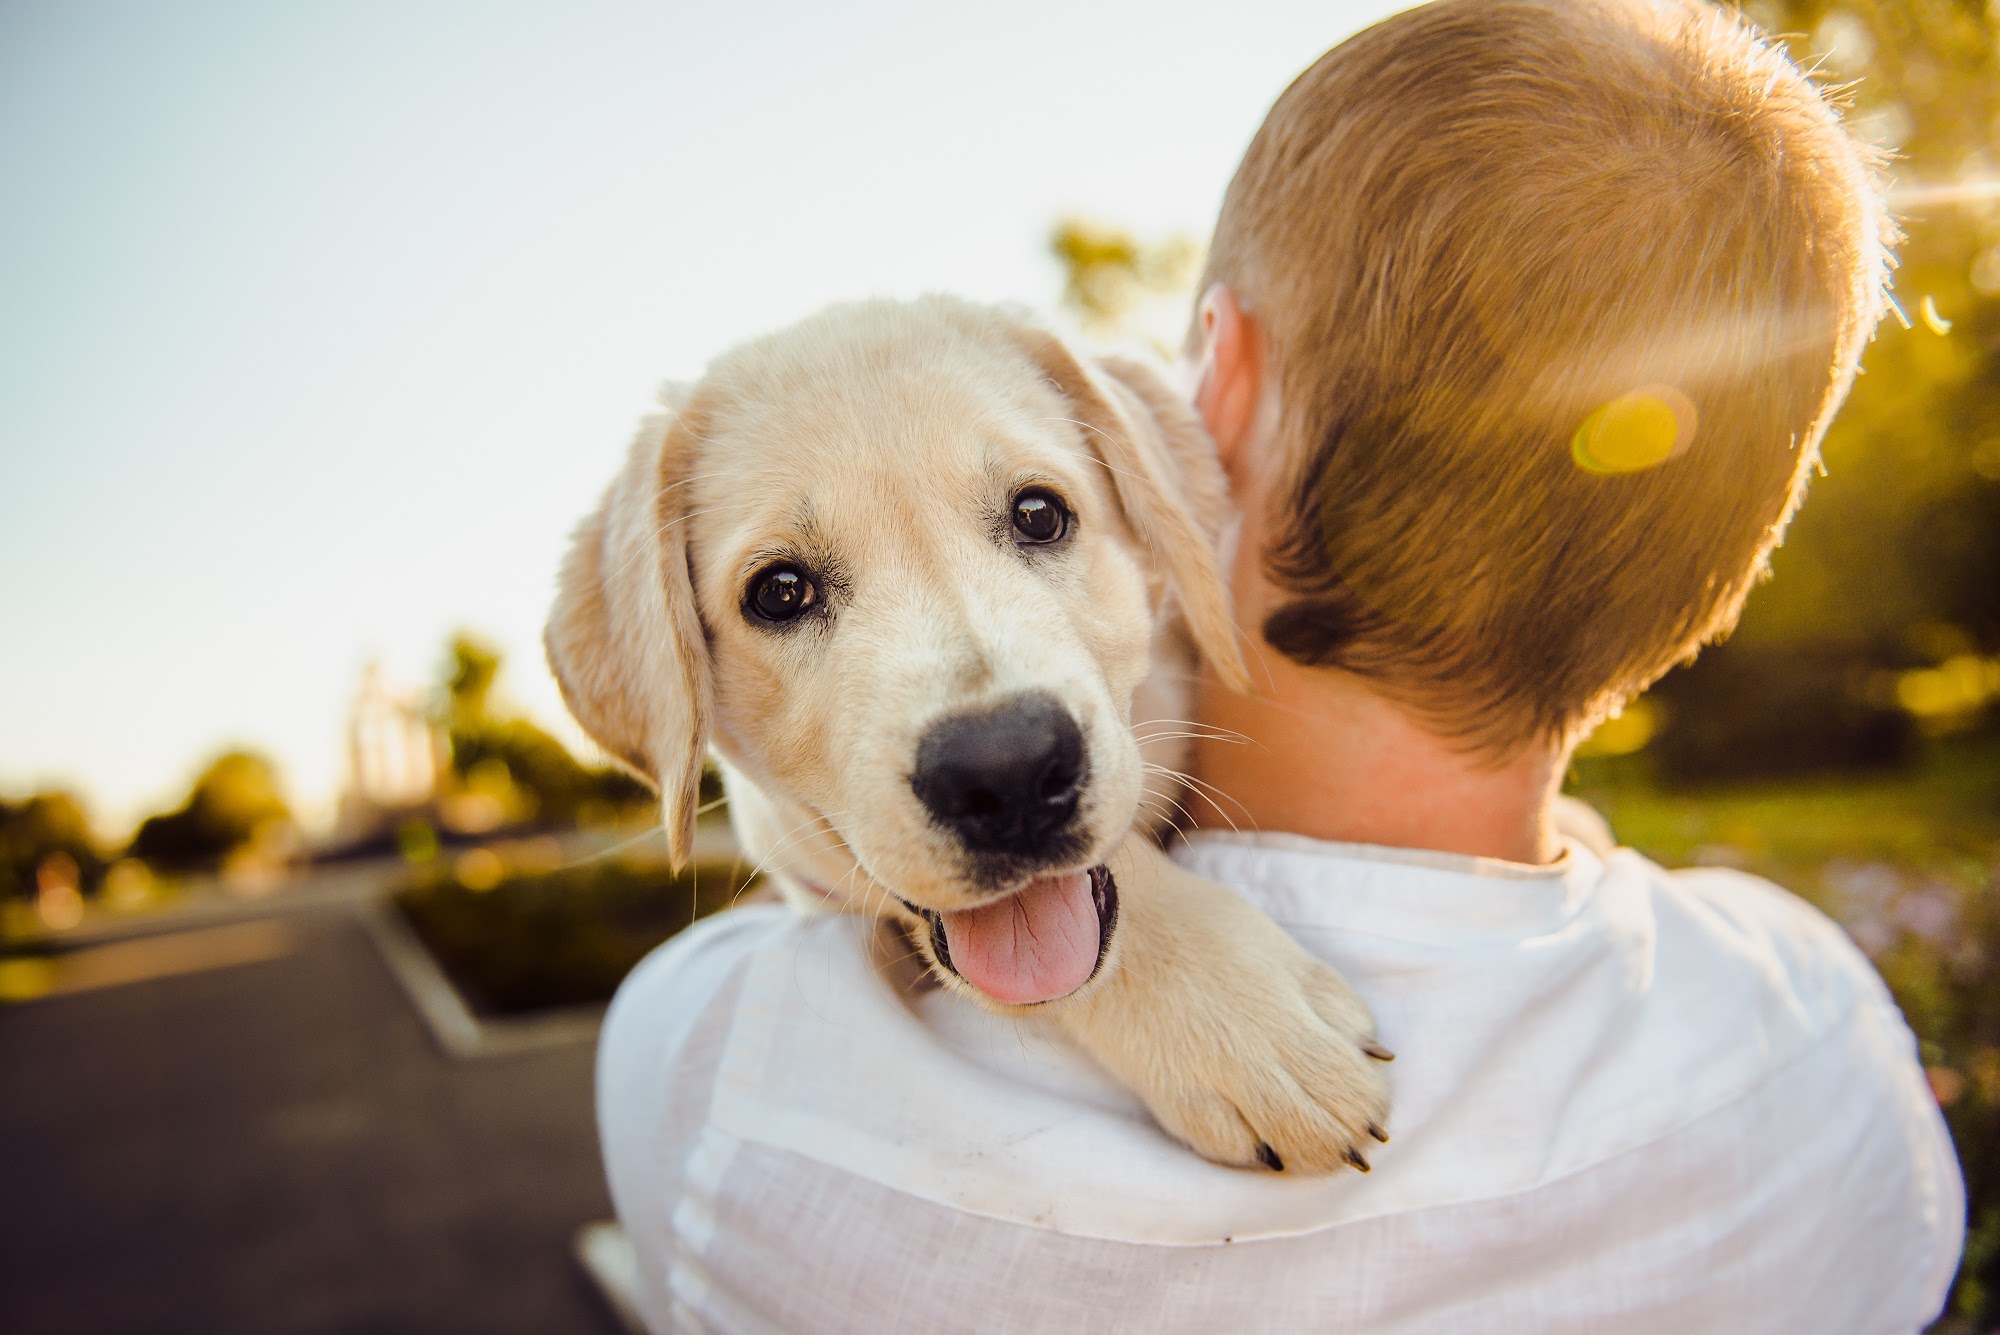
point(1240, 1043)
point(1296, 1083)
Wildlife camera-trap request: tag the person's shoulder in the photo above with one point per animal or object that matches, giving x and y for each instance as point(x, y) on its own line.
point(674, 1020)
point(1731, 920)
point(703, 952)
point(1842, 1089)
point(693, 962)
point(698, 973)
point(1791, 1005)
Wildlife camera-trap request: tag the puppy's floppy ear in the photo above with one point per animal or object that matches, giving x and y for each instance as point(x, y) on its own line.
point(624, 639)
point(1168, 480)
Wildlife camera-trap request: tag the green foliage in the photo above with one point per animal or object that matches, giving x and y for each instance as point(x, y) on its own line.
point(234, 802)
point(528, 776)
point(44, 825)
point(1762, 711)
point(1894, 562)
point(559, 937)
point(1119, 286)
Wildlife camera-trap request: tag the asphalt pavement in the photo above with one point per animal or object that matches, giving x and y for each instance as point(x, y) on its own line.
point(275, 1144)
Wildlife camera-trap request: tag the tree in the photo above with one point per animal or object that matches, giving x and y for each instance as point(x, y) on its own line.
point(1119, 286)
point(48, 824)
point(519, 771)
point(235, 801)
point(1893, 566)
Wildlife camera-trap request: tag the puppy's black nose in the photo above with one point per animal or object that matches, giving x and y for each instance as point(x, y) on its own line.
point(1004, 780)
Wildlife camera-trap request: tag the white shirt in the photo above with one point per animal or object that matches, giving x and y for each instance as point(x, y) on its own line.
point(1624, 1100)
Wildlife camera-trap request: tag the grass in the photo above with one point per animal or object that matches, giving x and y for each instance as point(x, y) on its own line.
point(1939, 819)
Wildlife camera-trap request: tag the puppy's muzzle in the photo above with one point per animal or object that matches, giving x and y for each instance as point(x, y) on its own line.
point(1006, 781)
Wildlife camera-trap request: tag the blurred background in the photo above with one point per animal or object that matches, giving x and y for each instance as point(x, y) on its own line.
point(320, 327)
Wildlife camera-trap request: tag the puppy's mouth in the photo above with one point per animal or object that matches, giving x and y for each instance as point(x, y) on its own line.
point(1042, 942)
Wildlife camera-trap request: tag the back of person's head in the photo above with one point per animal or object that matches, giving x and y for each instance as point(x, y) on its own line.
point(1559, 298)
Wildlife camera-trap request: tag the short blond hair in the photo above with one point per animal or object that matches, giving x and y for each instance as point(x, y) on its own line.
point(1483, 239)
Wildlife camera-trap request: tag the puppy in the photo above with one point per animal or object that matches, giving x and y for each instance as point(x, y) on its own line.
point(910, 571)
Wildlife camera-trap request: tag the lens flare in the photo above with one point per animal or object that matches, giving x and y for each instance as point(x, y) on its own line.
point(1634, 432)
point(1963, 192)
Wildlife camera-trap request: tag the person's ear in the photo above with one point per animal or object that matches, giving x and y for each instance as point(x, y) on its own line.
point(1229, 378)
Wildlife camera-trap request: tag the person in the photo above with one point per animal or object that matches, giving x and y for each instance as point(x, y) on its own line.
point(1522, 323)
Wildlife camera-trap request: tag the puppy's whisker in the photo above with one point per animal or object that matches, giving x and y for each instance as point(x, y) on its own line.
point(1107, 465)
point(1172, 736)
point(838, 891)
point(1207, 730)
point(1208, 792)
point(691, 479)
point(1183, 779)
point(1095, 430)
point(657, 828)
point(660, 532)
point(1187, 817)
point(780, 855)
point(812, 825)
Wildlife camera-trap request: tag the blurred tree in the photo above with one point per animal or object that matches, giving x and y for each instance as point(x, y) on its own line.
point(1894, 563)
point(511, 771)
point(46, 824)
point(1119, 286)
point(1913, 463)
point(237, 800)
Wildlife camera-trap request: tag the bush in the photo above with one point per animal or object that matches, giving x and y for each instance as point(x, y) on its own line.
point(515, 773)
point(524, 940)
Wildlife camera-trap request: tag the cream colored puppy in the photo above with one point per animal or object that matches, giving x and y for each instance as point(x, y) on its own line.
point(911, 571)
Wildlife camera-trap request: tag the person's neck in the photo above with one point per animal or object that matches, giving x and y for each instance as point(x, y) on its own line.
point(1318, 754)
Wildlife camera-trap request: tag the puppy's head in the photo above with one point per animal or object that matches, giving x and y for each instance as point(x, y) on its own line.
point(903, 565)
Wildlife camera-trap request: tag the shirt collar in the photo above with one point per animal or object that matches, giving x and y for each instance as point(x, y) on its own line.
point(1417, 894)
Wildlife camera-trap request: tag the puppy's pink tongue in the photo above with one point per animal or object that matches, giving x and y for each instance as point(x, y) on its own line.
point(1036, 945)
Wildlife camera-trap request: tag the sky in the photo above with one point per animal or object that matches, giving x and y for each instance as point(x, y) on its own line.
point(322, 325)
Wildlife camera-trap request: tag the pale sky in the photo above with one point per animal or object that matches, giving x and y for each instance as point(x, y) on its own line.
point(322, 324)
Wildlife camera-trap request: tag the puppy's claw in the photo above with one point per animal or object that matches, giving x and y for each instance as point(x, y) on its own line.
point(1377, 1051)
point(1269, 1158)
point(1354, 1157)
point(1378, 1133)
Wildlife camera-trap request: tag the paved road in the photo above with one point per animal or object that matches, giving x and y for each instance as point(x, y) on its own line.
point(278, 1147)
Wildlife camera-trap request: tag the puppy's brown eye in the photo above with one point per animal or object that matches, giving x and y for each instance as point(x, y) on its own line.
point(781, 592)
point(1040, 517)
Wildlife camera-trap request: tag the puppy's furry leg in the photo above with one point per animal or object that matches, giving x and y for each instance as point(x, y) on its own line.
point(1241, 1044)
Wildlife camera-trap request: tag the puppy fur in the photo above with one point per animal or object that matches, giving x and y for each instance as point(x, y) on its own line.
point(877, 446)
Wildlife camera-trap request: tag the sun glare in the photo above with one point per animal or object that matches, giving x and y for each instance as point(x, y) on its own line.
point(1634, 432)
point(1927, 196)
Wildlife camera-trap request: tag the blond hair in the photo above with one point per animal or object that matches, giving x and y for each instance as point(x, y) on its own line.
point(1559, 298)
